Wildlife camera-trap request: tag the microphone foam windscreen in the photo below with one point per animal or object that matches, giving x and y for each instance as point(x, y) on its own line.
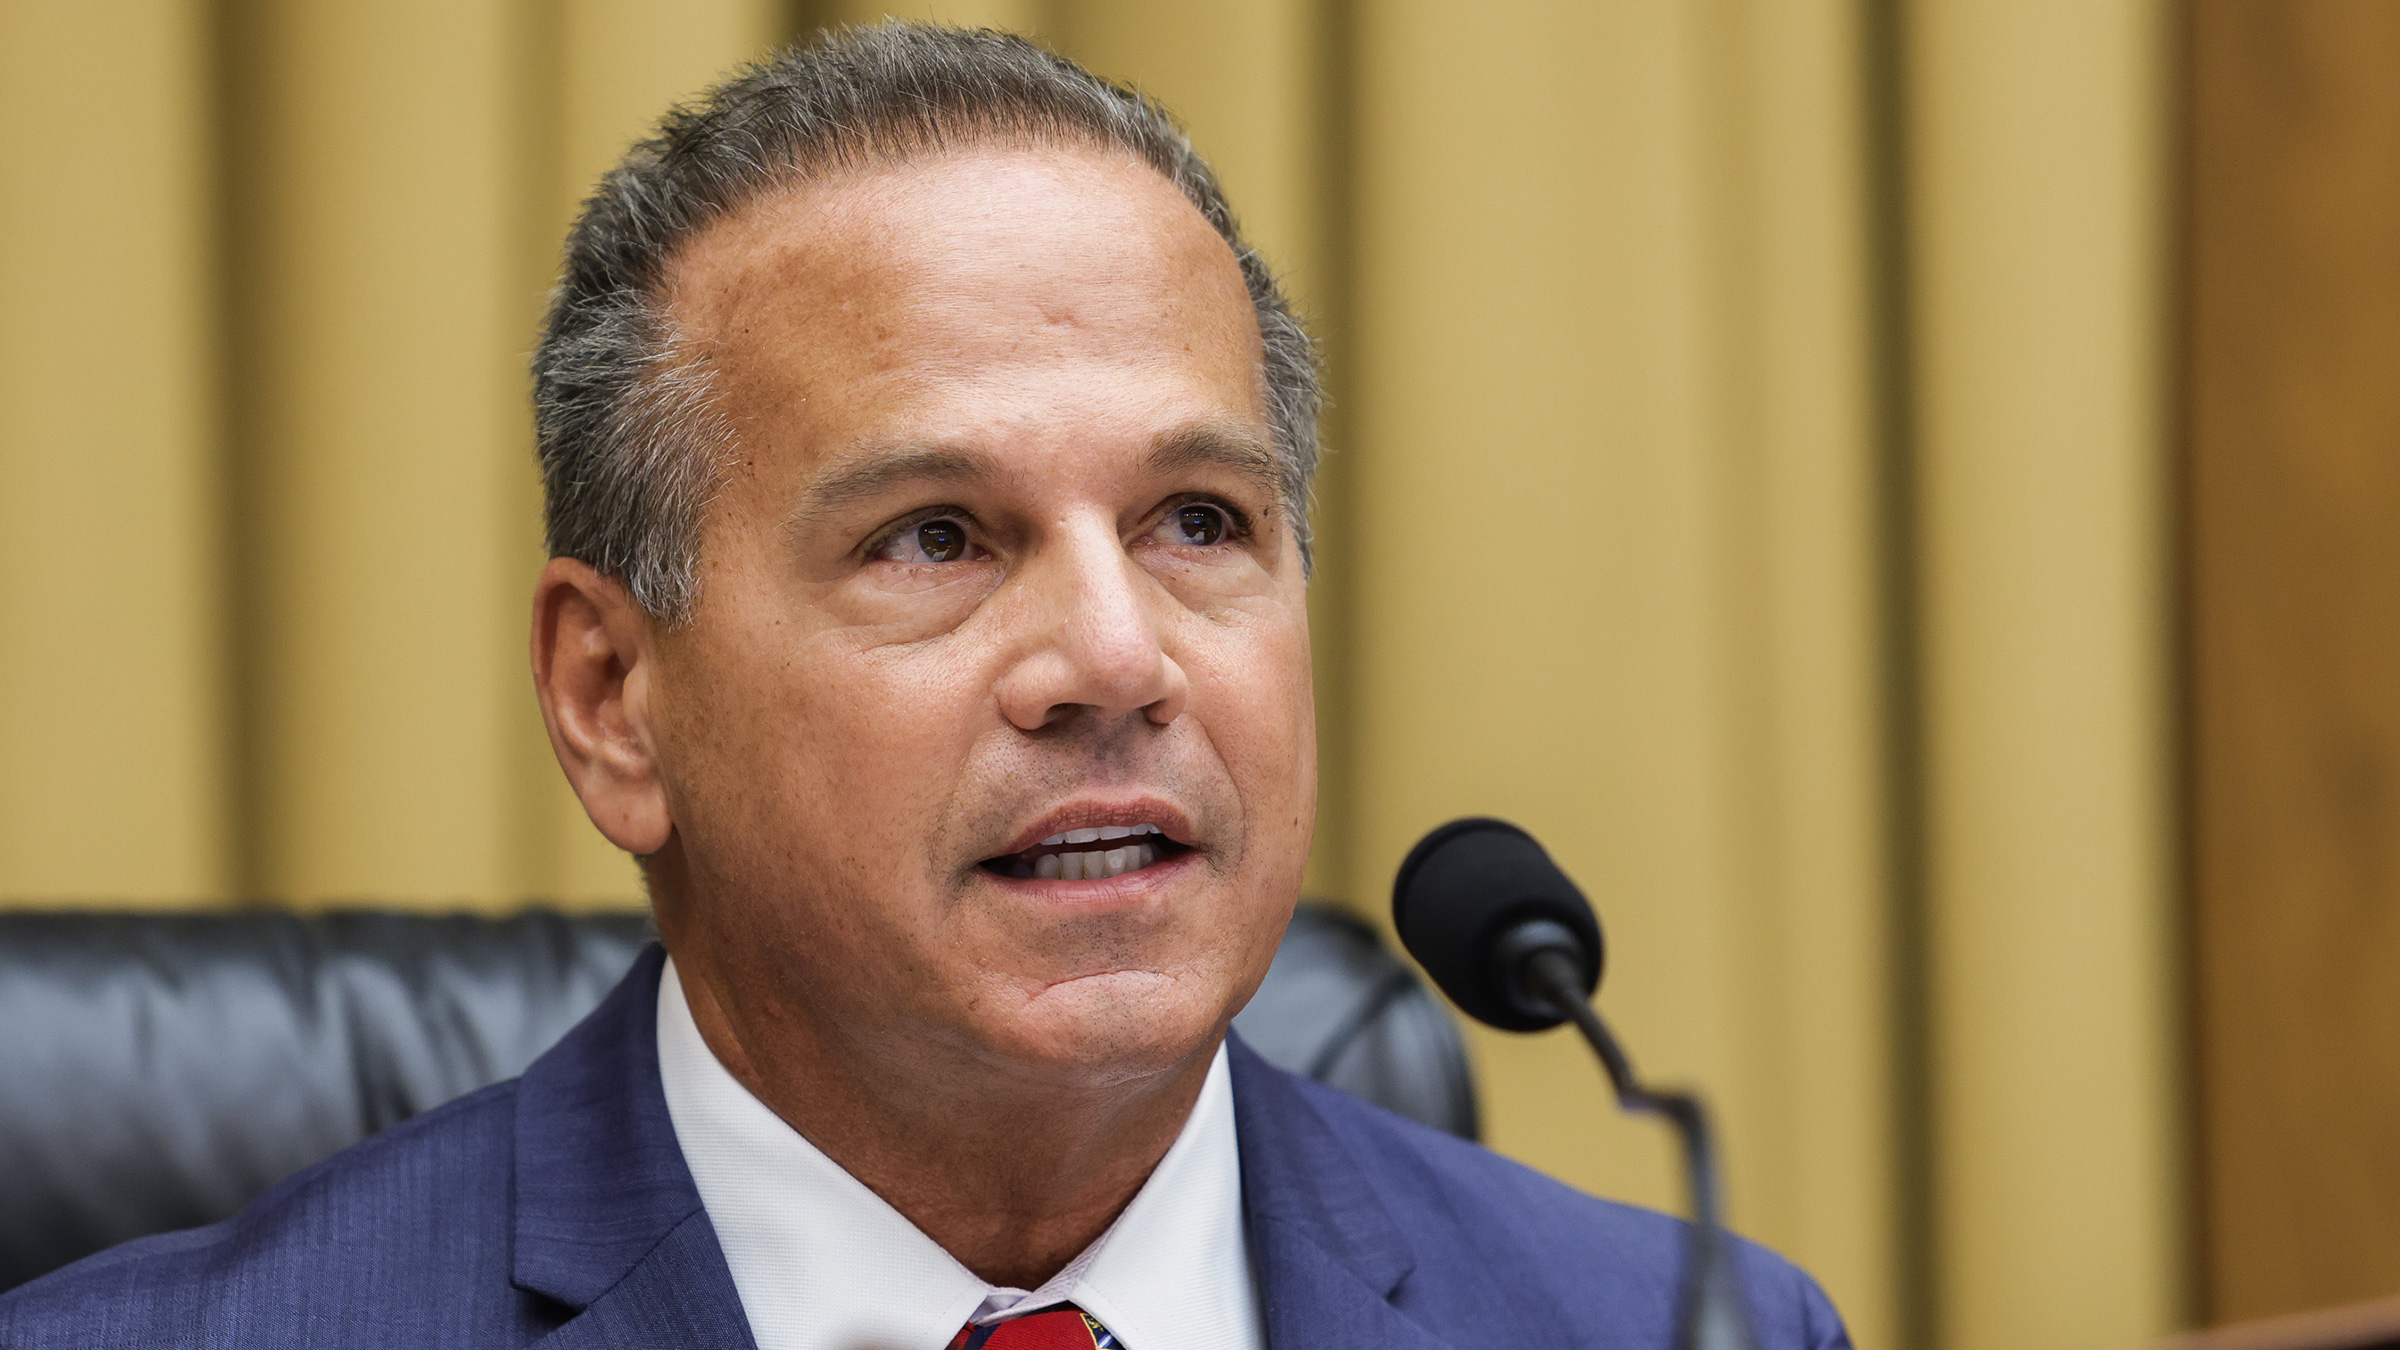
point(1464, 886)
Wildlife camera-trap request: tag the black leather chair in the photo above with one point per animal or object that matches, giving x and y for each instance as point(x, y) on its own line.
point(157, 1071)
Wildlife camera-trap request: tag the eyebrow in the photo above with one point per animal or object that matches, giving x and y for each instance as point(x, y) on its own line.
point(869, 475)
point(1217, 445)
point(865, 476)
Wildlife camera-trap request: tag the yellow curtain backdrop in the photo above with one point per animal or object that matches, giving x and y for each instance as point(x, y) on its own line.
point(1747, 474)
point(1617, 556)
point(2037, 176)
point(113, 743)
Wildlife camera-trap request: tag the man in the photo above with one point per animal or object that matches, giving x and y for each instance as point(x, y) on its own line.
point(927, 460)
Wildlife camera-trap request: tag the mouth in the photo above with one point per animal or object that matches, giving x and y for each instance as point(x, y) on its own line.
point(1093, 853)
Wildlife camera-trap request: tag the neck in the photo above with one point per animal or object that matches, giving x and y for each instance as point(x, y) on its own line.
point(1013, 1174)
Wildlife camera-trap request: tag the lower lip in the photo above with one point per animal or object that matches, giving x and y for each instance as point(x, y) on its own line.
point(1123, 886)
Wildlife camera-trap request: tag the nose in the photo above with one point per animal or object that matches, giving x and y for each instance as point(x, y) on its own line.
point(1095, 643)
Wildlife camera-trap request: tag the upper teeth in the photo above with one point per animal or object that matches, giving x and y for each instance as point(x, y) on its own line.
point(1095, 834)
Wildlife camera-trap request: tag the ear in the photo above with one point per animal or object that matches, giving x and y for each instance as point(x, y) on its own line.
point(592, 668)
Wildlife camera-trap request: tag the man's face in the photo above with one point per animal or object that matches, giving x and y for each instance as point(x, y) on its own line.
point(1000, 563)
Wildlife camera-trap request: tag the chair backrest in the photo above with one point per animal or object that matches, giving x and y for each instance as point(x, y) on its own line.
point(158, 1071)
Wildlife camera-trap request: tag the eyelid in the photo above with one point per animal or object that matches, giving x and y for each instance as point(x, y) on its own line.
point(1239, 525)
point(913, 519)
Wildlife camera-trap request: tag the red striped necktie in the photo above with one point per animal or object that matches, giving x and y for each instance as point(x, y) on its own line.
point(1064, 1327)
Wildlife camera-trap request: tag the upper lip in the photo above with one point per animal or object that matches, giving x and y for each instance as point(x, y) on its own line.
point(1170, 820)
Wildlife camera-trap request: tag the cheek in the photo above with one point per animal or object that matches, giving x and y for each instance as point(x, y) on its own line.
point(810, 753)
point(879, 734)
point(1251, 687)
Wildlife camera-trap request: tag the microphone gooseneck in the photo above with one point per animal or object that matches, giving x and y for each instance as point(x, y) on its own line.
point(1514, 944)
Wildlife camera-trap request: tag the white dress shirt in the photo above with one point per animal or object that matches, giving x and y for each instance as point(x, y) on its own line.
point(822, 1263)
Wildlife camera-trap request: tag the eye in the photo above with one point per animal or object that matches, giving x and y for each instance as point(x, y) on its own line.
point(1196, 525)
point(941, 540)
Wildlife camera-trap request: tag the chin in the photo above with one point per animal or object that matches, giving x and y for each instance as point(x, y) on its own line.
point(1113, 1027)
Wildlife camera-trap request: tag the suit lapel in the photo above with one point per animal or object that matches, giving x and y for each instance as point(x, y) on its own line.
point(608, 1222)
point(1327, 1255)
point(677, 1294)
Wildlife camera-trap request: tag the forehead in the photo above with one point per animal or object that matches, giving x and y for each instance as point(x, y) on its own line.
point(993, 283)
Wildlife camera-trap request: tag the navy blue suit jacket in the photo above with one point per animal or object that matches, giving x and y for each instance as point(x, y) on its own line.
point(557, 1209)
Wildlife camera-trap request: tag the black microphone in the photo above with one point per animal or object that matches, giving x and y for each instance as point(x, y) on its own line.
point(1515, 945)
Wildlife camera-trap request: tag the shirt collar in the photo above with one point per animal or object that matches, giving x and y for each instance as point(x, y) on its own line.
point(823, 1263)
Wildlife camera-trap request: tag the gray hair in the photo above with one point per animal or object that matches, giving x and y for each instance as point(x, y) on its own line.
point(629, 440)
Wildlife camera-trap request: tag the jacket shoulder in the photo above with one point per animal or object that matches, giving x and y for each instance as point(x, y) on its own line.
point(402, 1238)
point(1465, 1208)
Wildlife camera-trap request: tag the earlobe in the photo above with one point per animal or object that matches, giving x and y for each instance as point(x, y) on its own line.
point(591, 671)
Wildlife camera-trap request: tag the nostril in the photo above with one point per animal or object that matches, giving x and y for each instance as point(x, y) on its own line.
point(1092, 650)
